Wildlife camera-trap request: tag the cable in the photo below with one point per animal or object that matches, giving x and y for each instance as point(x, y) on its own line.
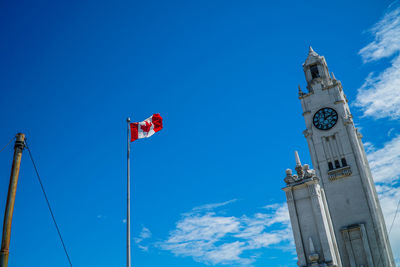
point(48, 204)
point(397, 210)
point(390, 229)
point(7, 144)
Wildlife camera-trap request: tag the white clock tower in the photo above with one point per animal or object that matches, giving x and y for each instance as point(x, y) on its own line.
point(335, 212)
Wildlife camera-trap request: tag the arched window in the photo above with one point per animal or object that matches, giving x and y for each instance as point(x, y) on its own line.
point(314, 71)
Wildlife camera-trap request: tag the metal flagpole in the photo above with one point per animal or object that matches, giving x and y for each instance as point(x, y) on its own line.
point(128, 210)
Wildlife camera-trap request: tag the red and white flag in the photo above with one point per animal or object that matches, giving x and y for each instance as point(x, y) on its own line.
point(146, 128)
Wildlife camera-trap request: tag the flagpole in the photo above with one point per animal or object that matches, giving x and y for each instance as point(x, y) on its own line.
point(128, 210)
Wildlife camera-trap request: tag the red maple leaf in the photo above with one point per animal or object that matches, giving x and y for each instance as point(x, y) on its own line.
point(146, 127)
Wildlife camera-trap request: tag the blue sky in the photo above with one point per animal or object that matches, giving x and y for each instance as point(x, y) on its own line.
point(224, 75)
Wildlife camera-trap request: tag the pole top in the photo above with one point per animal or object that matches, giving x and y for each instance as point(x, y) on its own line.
point(20, 141)
point(128, 119)
point(20, 137)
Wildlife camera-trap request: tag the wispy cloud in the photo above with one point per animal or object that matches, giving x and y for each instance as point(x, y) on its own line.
point(379, 96)
point(144, 234)
point(389, 197)
point(386, 38)
point(212, 238)
point(385, 162)
point(214, 205)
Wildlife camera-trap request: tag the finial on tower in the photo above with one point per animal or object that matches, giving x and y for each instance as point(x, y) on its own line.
point(311, 52)
point(299, 167)
point(296, 155)
point(300, 91)
point(333, 76)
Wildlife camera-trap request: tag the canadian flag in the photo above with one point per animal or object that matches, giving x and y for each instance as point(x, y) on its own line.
point(146, 128)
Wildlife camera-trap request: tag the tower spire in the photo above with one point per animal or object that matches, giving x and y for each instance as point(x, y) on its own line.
point(311, 52)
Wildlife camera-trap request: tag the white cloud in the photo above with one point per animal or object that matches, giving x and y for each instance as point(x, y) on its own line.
point(385, 162)
point(144, 234)
point(386, 37)
point(211, 238)
point(379, 96)
point(389, 197)
point(214, 205)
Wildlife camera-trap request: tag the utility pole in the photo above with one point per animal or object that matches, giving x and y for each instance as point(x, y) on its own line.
point(12, 189)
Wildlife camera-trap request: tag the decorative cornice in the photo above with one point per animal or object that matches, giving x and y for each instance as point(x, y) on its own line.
point(304, 95)
point(300, 184)
point(348, 120)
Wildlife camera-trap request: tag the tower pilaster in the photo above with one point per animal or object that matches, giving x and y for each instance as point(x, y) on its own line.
point(309, 215)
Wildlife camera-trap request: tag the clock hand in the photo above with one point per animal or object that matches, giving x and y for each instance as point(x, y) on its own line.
point(329, 116)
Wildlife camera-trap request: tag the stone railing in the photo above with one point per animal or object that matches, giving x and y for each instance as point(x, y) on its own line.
point(339, 173)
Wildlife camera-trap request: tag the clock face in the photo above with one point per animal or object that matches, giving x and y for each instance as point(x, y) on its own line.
point(325, 118)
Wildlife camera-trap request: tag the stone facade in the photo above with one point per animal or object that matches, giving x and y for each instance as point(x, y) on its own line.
point(335, 212)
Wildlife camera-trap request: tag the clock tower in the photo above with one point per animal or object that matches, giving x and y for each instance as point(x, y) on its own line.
point(354, 232)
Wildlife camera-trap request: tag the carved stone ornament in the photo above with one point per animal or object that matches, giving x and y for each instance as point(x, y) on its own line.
point(307, 133)
point(308, 173)
point(289, 179)
point(348, 121)
point(303, 172)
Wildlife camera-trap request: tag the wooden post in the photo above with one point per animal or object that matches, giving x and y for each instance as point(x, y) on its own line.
point(12, 189)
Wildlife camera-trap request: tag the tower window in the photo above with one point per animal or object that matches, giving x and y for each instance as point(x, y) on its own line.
point(337, 164)
point(330, 166)
point(344, 162)
point(314, 71)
